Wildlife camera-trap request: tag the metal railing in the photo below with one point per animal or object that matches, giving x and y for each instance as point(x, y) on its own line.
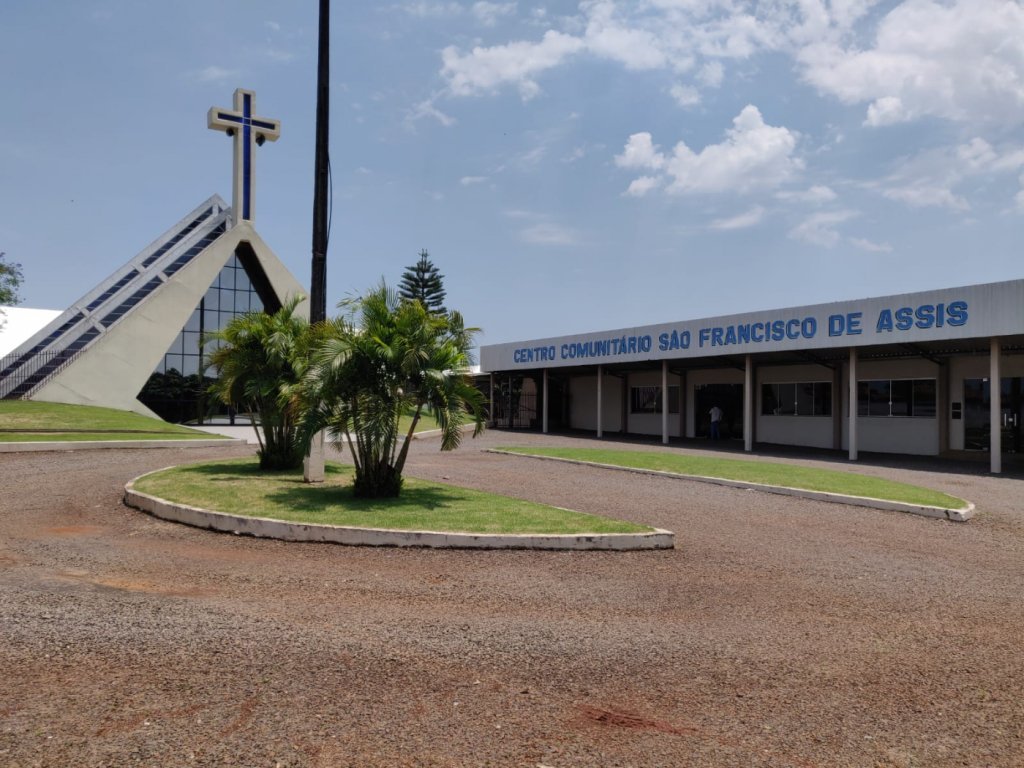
point(19, 382)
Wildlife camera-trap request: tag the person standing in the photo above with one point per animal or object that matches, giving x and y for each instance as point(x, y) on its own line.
point(716, 420)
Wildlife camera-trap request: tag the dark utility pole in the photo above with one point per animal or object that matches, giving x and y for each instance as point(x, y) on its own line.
point(318, 280)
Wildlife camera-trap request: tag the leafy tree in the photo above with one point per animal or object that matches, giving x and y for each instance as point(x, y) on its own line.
point(10, 281)
point(382, 358)
point(260, 359)
point(424, 282)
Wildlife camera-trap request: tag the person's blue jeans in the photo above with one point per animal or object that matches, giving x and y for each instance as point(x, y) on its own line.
point(714, 430)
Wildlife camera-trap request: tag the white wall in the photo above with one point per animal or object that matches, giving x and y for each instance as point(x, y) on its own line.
point(893, 434)
point(812, 431)
point(583, 397)
point(650, 423)
point(19, 324)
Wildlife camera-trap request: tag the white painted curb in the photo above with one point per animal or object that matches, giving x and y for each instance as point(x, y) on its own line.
point(263, 527)
point(96, 445)
point(956, 515)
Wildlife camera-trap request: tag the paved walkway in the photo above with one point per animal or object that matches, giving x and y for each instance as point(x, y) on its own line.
point(779, 632)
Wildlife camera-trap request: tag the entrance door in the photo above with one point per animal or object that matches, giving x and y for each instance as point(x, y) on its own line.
point(728, 397)
point(977, 399)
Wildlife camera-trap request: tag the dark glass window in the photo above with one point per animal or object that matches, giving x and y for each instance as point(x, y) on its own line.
point(897, 397)
point(901, 397)
point(230, 294)
point(924, 398)
point(806, 398)
point(648, 399)
point(823, 398)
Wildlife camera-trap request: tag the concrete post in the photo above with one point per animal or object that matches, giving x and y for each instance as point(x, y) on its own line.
point(313, 463)
point(995, 410)
point(600, 404)
point(664, 402)
point(748, 405)
point(544, 415)
point(852, 429)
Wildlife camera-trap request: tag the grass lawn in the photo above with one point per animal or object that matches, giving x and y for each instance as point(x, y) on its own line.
point(26, 420)
point(238, 487)
point(426, 422)
point(766, 473)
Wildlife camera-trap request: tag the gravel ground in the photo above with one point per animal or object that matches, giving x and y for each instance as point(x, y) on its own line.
point(779, 632)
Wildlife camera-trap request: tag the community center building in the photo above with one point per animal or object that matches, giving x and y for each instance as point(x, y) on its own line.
point(923, 373)
point(137, 341)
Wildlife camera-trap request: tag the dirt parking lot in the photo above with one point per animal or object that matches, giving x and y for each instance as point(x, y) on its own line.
point(779, 632)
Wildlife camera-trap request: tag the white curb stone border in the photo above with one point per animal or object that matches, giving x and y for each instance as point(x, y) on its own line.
point(262, 527)
point(961, 515)
point(96, 445)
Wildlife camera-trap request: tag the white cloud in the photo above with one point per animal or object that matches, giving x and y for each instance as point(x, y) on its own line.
point(607, 37)
point(577, 153)
point(273, 26)
point(643, 185)
point(711, 74)
point(485, 69)
point(753, 155)
point(685, 95)
point(816, 195)
point(428, 109)
point(961, 61)
point(215, 74)
point(922, 194)
point(744, 220)
point(489, 14)
point(425, 9)
point(871, 247)
point(820, 228)
point(548, 233)
point(887, 110)
point(932, 177)
point(640, 152)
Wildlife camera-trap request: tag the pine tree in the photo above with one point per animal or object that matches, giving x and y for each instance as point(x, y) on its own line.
point(423, 282)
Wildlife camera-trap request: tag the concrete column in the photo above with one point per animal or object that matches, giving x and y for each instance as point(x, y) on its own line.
point(852, 429)
point(313, 463)
point(748, 405)
point(544, 417)
point(664, 402)
point(995, 411)
point(600, 400)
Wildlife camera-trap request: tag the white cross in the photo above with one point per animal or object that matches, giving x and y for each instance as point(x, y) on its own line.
point(246, 130)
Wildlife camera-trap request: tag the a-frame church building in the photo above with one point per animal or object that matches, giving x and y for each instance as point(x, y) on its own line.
point(149, 317)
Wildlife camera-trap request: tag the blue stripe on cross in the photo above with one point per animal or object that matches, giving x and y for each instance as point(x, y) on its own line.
point(246, 130)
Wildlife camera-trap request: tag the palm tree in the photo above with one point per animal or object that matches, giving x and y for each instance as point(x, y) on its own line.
point(382, 358)
point(260, 359)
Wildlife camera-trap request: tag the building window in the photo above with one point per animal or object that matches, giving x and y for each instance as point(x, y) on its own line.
point(802, 398)
point(648, 399)
point(913, 398)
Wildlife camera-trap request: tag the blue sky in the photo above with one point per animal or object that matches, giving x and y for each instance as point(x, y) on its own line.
point(569, 166)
